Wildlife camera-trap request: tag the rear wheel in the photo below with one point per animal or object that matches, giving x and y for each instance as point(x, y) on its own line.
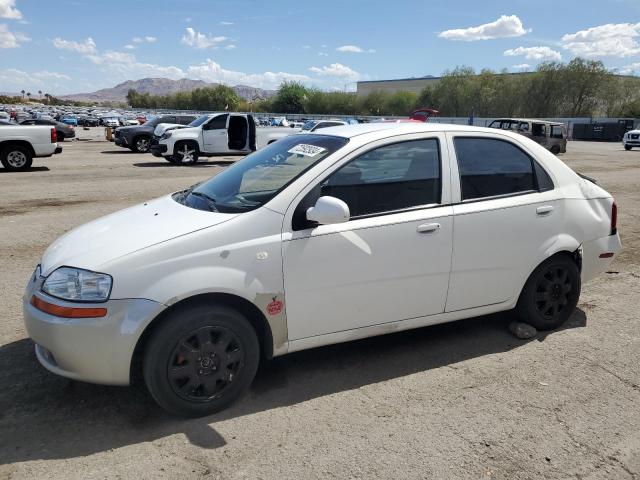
point(16, 158)
point(551, 293)
point(185, 153)
point(555, 149)
point(628, 147)
point(201, 360)
point(141, 144)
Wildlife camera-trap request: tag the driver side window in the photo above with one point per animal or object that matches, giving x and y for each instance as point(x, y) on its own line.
point(218, 123)
point(390, 178)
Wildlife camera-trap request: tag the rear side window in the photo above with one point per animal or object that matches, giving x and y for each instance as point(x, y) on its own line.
point(490, 167)
point(390, 178)
point(556, 131)
point(168, 120)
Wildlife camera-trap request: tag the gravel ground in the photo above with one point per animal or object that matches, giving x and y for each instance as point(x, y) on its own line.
point(463, 400)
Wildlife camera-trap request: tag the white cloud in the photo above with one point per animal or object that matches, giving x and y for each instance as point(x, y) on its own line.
point(129, 46)
point(87, 46)
point(353, 49)
point(14, 79)
point(8, 10)
point(211, 71)
point(631, 69)
point(506, 26)
point(610, 40)
point(534, 53)
point(9, 39)
point(147, 39)
point(231, 46)
point(200, 40)
point(522, 66)
point(336, 70)
point(226, 24)
point(323, 54)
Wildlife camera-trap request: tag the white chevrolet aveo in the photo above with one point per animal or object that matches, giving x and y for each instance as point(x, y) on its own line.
point(317, 239)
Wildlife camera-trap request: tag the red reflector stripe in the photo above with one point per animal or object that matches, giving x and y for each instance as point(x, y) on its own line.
point(606, 255)
point(67, 312)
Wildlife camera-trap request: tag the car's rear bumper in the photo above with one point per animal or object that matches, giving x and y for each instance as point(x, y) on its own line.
point(598, 254)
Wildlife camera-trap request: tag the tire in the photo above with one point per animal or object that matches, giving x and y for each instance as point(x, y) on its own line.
point(60, 136)
point(555, 149)
point(551, 293)
point(170, 159)
point(628, 147)
point(185, 153)
point(141, 144)
point(16, 158)
point(200, 360)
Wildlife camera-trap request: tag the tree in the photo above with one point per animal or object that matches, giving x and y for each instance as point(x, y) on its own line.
point(40, 93)
point(22, 92)
point(29, 95)
point(401, 103)
point(291, 98)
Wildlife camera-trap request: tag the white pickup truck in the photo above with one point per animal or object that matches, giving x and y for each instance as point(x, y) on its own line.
point(20, 144)
point(213, 134)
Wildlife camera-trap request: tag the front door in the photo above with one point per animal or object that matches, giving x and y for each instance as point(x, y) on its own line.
point(391, 261)
point(214, 134)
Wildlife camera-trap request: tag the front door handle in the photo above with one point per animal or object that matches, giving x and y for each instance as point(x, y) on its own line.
point(546, 210)
point(428, 228)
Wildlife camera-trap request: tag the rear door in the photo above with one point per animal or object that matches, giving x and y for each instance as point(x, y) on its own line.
point(506, 212)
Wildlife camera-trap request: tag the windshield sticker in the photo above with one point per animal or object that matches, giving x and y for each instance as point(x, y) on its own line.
point(307, 150)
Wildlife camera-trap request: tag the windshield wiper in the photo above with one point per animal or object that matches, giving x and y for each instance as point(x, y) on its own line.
point(210, 201)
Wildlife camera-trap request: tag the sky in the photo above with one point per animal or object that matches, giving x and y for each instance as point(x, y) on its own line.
point(73, 46)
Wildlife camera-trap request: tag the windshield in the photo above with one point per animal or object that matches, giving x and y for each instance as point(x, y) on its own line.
point(253, 181)
point(199, 121)
point(309, 125)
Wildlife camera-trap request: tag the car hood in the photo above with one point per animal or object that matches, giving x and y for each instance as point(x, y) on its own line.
point(100, 241)
point(165, 127)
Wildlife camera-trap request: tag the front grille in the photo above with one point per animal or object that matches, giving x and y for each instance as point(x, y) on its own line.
point(635, 136)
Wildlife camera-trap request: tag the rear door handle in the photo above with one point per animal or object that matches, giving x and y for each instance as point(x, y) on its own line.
point(546, 210)
point(428, 228)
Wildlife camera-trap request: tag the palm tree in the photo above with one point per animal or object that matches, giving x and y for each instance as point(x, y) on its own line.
point(29, 95)
point(22, 92)
point(40, 93)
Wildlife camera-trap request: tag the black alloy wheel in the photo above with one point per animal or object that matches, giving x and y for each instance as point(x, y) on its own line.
point(551, 293)
point(200, 359)
point(204, 363)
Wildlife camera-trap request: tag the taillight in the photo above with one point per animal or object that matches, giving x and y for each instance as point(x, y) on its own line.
point(54, 135)
point(614, 218)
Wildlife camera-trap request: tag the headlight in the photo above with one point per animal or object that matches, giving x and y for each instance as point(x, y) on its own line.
point(166, 135)
point(77, 285)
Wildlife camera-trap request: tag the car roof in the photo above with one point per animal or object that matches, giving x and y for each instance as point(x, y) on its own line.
point(526, 120)
point(388, 129)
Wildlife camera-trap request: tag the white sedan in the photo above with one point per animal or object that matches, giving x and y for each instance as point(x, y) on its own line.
point(317, 239)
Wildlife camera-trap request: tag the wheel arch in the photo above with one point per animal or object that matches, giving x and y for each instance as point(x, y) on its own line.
point(240, 304)
point(181, 141)
point(22, 143)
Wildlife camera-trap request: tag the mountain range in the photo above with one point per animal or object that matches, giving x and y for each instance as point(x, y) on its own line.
point(161, 86)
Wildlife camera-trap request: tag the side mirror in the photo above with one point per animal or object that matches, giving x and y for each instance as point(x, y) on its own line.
point(329, 210)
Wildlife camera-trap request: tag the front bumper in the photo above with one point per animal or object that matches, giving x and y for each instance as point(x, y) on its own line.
point(158, 150)
point(96, 350)
point(596, 255)
point(632, 143)
point(121, 141)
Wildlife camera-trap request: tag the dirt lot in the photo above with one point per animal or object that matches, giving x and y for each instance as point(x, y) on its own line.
point(463, 400)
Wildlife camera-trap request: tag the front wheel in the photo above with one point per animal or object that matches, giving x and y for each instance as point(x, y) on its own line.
point(16, 158)
point(555, 149)
point(185, 153)
point(201, 359)
point(551, 293)
point(628, 147)
point(141, 144)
